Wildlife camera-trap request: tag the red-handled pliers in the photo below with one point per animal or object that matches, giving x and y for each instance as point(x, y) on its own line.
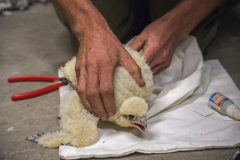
point(35, 93)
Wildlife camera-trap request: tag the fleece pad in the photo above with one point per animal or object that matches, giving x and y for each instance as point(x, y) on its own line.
point(179, 118)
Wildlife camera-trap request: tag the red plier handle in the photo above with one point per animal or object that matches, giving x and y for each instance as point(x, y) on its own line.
point(33, 78)
point(38, 92)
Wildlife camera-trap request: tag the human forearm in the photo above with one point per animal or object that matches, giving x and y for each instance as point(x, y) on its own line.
point(82, 16)
point(190, 12)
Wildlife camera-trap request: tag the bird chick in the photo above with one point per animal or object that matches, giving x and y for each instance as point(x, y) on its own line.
point(79, 127)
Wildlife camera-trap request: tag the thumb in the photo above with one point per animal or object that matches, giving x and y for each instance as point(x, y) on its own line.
point(131, 66)
point(137, 43)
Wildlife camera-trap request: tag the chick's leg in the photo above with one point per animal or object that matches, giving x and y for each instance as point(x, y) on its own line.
point(78, 122)
point(54, 140)
point(86, 136)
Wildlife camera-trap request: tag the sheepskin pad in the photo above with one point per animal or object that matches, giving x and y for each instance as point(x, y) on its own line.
point(179, 118)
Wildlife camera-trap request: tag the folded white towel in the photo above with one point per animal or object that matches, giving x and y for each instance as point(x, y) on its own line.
point(179, 118)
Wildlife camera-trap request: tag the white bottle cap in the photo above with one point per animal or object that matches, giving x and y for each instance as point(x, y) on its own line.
point(233, 112)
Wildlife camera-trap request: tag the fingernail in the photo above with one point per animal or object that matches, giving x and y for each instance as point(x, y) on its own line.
point(110, 113)
point(103, 118)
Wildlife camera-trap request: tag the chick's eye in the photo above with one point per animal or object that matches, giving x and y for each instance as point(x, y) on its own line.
point(131, 117)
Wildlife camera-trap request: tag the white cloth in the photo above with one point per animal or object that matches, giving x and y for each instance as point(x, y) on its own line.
point(179, 118)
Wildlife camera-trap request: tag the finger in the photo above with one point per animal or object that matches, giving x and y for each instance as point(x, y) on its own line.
point(107, 90)
point(131, 66)
point(80, 63)
point(164, 57)
point(82, 85)
point(159, 68)
point(137, 43)
point(81, 90)
point(149, 50)
point(93, 95)
point(157, 61)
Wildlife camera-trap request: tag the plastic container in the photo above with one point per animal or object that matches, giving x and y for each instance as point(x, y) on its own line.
point(224, 105)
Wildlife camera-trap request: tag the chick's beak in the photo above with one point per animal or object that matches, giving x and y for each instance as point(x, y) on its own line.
point(142, 125)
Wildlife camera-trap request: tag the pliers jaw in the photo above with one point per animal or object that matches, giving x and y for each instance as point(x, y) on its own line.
point(64, 81)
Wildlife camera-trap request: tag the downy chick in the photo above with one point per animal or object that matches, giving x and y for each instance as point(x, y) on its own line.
point(79, 127)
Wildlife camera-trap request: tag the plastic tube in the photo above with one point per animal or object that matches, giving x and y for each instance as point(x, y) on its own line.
point(224, 105)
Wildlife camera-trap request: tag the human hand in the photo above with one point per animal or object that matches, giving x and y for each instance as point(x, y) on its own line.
point(99, 54)
point(158, 41)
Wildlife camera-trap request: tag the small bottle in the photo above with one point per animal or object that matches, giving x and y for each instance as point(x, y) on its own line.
point(224, 105)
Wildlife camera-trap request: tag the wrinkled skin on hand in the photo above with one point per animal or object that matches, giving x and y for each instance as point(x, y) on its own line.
point(158, 41)
point(99, 54)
